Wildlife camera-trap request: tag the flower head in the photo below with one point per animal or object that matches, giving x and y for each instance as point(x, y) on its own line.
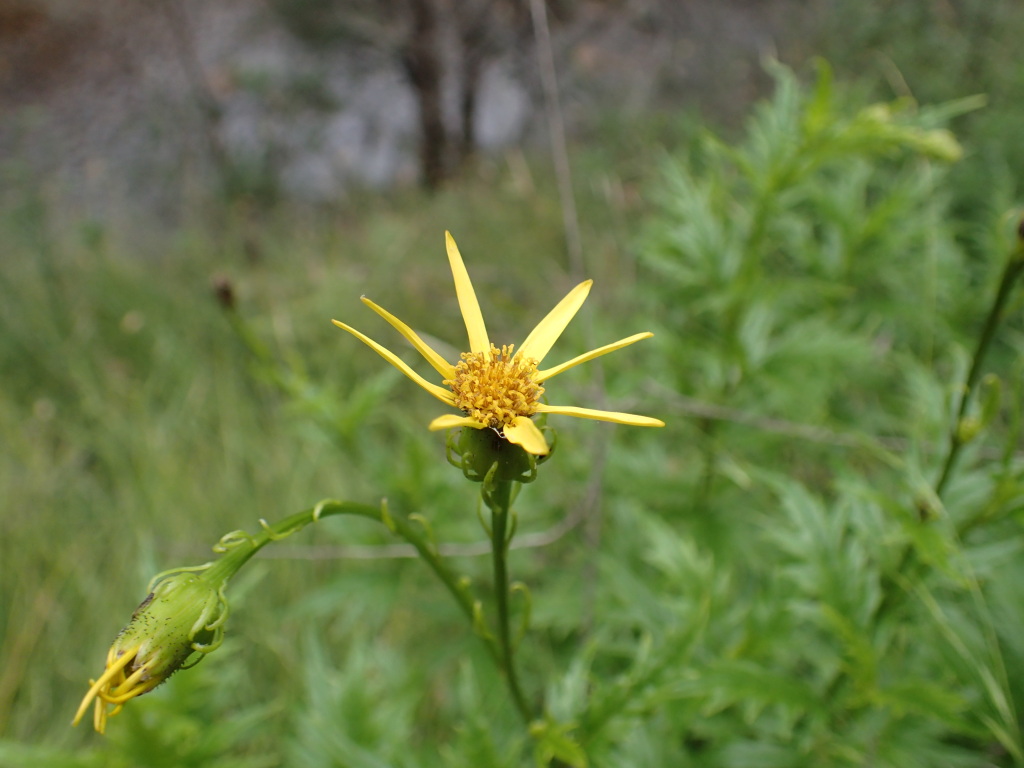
point(184, 614)
point(500, 387)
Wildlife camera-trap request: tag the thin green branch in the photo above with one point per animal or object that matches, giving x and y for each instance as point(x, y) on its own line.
point(239, 547)
point(1014, 267)
point(1013, 270)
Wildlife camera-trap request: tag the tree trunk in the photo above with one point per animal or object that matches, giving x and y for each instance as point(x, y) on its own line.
point(423, 67)
point(472, 18)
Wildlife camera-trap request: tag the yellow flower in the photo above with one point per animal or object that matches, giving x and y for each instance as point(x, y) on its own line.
point(500, 388)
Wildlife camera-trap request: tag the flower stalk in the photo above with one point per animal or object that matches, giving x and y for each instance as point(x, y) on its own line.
point(499, 499)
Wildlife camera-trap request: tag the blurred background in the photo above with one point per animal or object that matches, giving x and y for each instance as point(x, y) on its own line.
point(153, 112)
point(808, 201)
point(305, 100)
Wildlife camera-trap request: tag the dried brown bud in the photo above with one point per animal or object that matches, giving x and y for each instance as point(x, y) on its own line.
point(224, 292)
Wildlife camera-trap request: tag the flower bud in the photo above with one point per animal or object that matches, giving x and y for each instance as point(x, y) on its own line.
point(183, 615)
point(967, 429)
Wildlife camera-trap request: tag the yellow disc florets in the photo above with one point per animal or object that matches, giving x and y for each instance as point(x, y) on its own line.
point(494, 387)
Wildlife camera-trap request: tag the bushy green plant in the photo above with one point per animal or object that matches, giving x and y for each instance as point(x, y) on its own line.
point(818, 315)
point(806, 272)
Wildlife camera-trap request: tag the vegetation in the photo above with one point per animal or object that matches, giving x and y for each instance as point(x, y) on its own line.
point(934, 52)
point(786, 575)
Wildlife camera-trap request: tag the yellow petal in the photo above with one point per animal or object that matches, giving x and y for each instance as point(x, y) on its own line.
point(450, 420)
point(523, 432)
point(544, 336)
point(112, 671)
point(440, 393)
point(552, 372)
point(446, 369)
point(471, 315)
point(612, 416)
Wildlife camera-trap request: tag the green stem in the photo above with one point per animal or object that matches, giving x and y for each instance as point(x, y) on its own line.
point(241, 547)
point(1013, 270)
point(499, 501)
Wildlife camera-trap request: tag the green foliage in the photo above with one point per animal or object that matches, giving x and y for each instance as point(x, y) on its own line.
point(811, 277)
point(350, 717)
point(772, 580)
point(818, 250)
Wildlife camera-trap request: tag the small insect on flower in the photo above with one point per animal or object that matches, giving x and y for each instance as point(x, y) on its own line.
point(182, 617)
point(500, 387)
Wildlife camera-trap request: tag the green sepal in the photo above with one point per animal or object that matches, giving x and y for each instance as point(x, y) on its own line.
point(481, 449)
